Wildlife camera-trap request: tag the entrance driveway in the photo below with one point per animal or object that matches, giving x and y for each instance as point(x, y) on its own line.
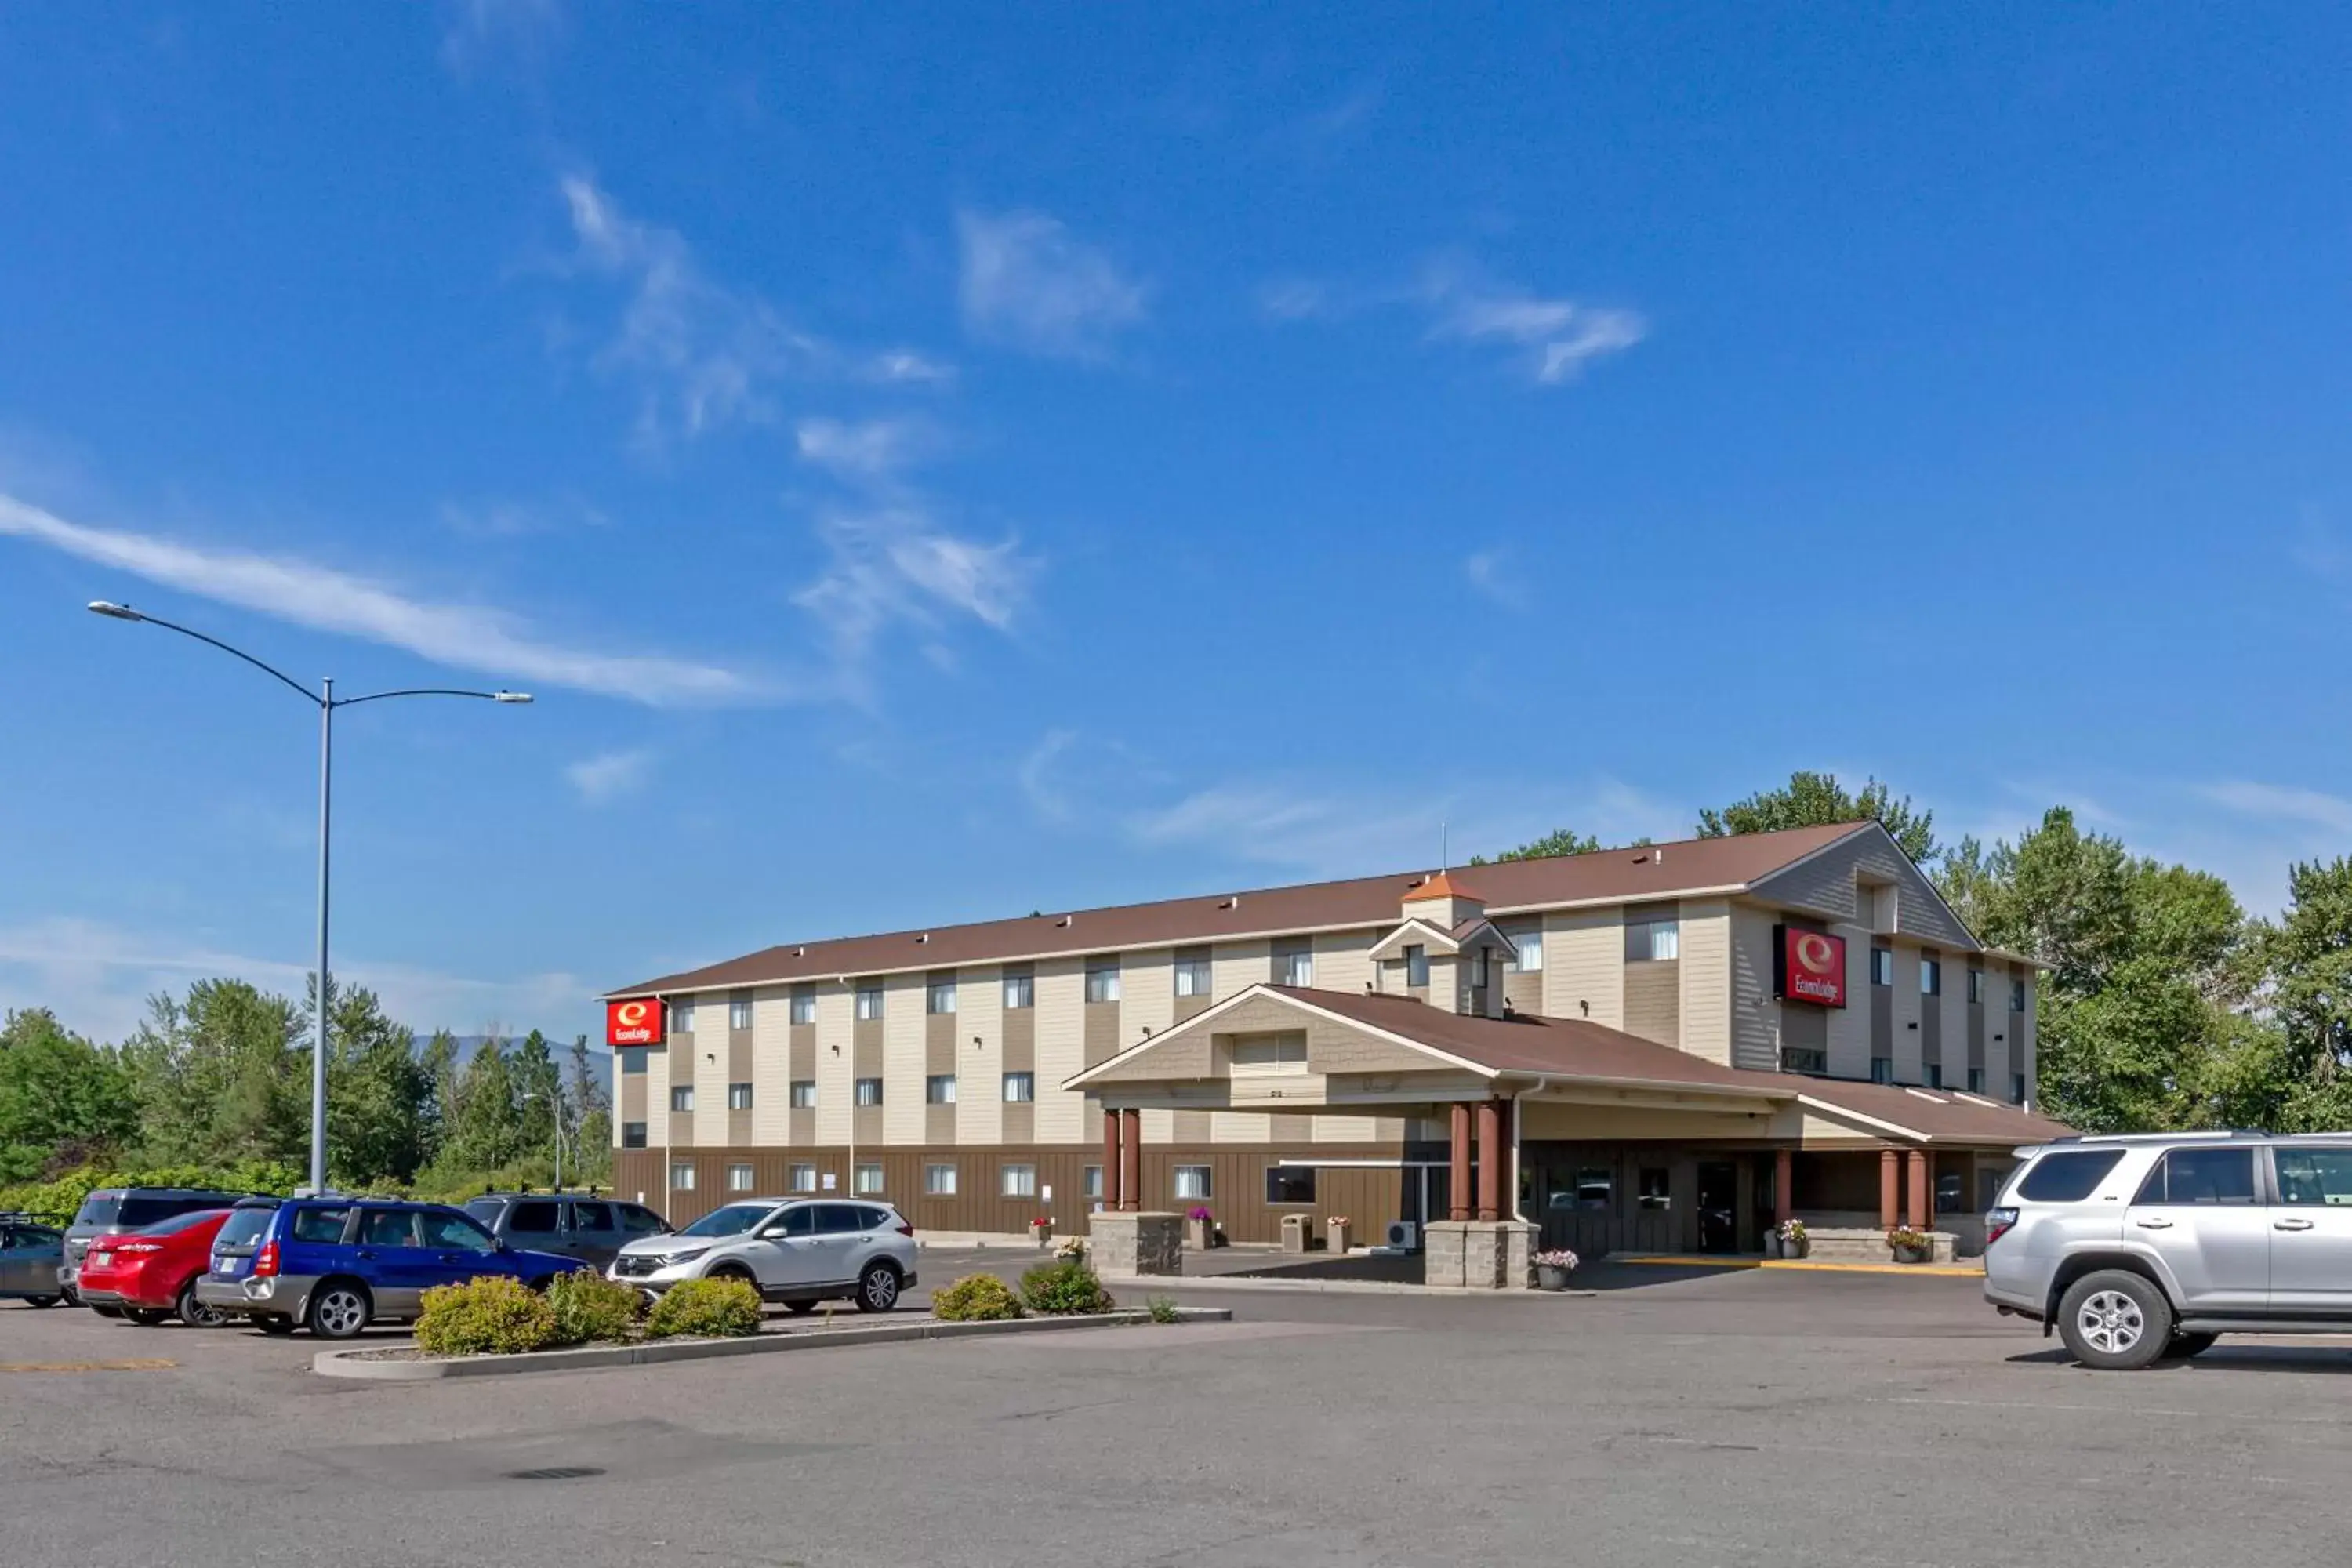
point(1736, 1417)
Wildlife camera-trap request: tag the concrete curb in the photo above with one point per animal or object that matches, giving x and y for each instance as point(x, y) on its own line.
point(1333, 1286)
point(1701, 1261)
point(349, 1362)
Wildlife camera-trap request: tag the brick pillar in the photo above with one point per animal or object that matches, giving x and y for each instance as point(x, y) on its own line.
point(1890, 1189)
point(1110, 1199)
point(1130, 1160)
point(1783, 1200)
point(1458, 1199)
point(1490, 1159)
point(1918, 1189)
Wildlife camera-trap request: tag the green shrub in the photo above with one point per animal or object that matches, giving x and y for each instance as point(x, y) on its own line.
point(494, 1315)
point(589, 1308)
point(722, 1309)
point(1163, 1309)
point(1059, 1290)
point(975, 1298)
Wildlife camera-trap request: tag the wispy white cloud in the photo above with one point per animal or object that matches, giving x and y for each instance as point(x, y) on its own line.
point(609, 776)
point(1563, 334)
point(1489, 573)
point(459, 637)
point(2283, 803)
point(894, 564)
point(1028, 283)
point(1039, 776)
point(1294, 299)
point(473, 32)
point(517, 520)
point(868, 450)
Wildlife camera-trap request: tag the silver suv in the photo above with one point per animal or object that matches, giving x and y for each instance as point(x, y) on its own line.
point(2140, 1248)
point(799, 1251)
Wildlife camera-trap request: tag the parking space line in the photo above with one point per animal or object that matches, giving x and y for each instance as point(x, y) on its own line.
point(141, 1364)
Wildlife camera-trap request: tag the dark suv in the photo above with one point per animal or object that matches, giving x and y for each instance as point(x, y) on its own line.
point(112, 1210)
point(592, 1230)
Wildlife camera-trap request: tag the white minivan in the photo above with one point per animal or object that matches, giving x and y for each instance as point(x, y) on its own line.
point(798, 1251)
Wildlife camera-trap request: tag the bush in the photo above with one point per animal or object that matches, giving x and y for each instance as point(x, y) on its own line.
point(1163, 1309)
point(1059, 1290)
point(589, 1308)
point(719, 1309)
point(975, 1298)
point(494, 1315)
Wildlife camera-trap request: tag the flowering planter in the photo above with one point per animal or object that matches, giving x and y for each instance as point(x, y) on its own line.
point(1771, 1245)
point(1044, 1235)
point(1550, 1279)
point(1795, 1248)
point(1915, 1254)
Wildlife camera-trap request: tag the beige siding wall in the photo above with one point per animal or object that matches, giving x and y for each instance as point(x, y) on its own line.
point(980, 1070)
point(902, 1058)
point(1906, 1002)
point(1147, 990)
point(657, 1097)
point(1955, 1036)
point(771, 1065)
point(711, 1073)
point(1825, 884)
point(1584, 961)
point(836, 1007)
point(1238, 965)
point(1061, 1049)
point(1848, 1027)
point(1754, 1012)
point(2029, 1035)
point(1706, 979)
point(1343, 961)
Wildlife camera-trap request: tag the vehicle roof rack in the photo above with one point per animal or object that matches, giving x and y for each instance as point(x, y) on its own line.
point(2206, 1135)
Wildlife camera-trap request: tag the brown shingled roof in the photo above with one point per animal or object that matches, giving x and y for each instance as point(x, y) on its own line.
point(1606, 876)
point(1443, 885)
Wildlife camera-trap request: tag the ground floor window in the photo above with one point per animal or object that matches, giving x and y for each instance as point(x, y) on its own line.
point(1290, 1183)
point(1193, 1181)
point(1804, 1060)
point(938, 1180)
point(1951, 1192)
point(1017, 1181)
point(1656, 1188)
point(1090, 1184)
point(1882, 1070)
point(738, 1178)
point(866, 1179)
point(1935, 1075)
point(2017, 1089)
point(1976, 1080)
point(1596, 1190)
point(801, 1178)
point(681, 1178)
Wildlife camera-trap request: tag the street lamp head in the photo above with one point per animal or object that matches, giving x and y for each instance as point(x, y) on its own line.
point(510, 696)
point(117, 612)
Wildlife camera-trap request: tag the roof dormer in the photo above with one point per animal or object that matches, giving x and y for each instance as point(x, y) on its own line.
point(1442, 902)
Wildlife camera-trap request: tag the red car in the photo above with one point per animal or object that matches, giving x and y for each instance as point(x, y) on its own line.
point(151, 1275)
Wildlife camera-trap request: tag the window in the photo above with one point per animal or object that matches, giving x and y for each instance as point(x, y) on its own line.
point(1935, 1075)
point(392, 1227)
point(2314, 1177)
point(453, 1232)
point(633, 1134)
point(1655, 1188)
point(2017, 996)
point(1804, 1060)
point(1296, 967)
point(632, 1062)
point(865, 1179)
point(1653, 940)
point(739, 1097)
point(682, 1016)
point(1192, 977)
point(739, 1011)
point(803, 1095)
point(540, 1218)
point(738, 1178)
point(1020, 991)
point(681, 1177)
point(1530, 956)
point(1193, 1181)
point(1020, 1087)
point(1882, 966)
point(1102, 980)
point(592, 1219)
point(320, 1225)
point(1017, 1181)
point(1596, 1189)
point(803, 1005)
point(1270, 1053)
point(869, 1092)
point(869, 1000)
point(801, 1178)
point(1882, 1070)
point(938, 1180)
point(1951, 1192)
point(1416, 965)
point(799, 1220)
point(2200, 1176)
point(1090, 1183)
point(638, 1221)
point(681, 1097)
point(844, 1219)
point(940, 1088)
point(1290, 1183)
point(1976, 987)
point(1931, 975)
point(2017, 1089)
point(1976, 1080)
point(939, 998)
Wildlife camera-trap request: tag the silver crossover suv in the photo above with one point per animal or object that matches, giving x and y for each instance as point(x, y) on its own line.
point(799, 1251)
point(2139, 1248)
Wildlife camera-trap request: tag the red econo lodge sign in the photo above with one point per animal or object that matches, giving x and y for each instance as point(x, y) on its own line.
point(1811, 966)
point(635, 1021)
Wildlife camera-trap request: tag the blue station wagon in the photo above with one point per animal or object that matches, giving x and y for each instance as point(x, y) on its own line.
point(334, 1265)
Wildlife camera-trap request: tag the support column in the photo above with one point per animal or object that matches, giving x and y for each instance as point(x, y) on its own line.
point(1890, 1189)
point(1458, 1196)
point(1918, 1189)
point(1110, 1157)
point(1130, 1160)
point(1783, 1200)
point(1490, 1164)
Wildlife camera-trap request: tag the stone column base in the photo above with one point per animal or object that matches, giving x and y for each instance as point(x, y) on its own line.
point(1478, 1255)
point(1128, 1245)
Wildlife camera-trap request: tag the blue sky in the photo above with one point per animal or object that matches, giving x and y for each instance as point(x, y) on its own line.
point(934, 466)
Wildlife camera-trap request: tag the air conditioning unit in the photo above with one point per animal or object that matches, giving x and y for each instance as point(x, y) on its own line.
point(1405, 1235)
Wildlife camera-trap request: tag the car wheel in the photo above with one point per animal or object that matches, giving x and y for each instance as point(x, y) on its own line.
point(69, 1296)
point(42, 1300)
point(802, 1308)
point(145, 1316)
point(877, 1287)
point(2116, 1322)
point(195, 1313)
point(273, 1325)
point(2183, 1346)
point(108, 1311)
point(339, 1310)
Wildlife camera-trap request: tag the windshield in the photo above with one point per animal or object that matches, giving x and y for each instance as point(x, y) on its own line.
point(486, 1209)
point(179, 1223)
point(99, 1208)
point(244, 1226)
point(732, 1220)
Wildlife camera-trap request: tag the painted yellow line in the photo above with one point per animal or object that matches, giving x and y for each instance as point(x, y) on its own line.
point(143, 1364)
point(1700, 1261)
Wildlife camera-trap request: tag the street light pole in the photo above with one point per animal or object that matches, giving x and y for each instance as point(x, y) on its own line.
point(325, 699)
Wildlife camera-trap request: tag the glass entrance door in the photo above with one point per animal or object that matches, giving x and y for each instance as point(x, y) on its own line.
point(1718, 1206)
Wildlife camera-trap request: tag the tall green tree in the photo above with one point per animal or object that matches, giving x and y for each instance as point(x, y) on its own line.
point(1818, 800)
point(2307, 959)
point(1559, 841)
point(487, 1131)
point(378, 1093)
point(539, 1090)
point(439, 1062)
point(591, 1113)
point(63, 1101)
point(219, 1076)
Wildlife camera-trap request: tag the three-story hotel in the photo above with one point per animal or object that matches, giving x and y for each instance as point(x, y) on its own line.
point(1659, 1048)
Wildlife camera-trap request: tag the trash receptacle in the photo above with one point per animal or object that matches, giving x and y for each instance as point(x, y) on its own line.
point(1294, 1233)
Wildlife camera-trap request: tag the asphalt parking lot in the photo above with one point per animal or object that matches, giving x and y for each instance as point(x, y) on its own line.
point(1673, 1418)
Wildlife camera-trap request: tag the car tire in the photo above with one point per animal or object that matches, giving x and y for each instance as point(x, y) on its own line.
point(274, 1326)
point(802, 1308)
point(69, 1296)
point(340, 1309)
point(2114, 1321)
point(109, 1312)
point(39, 1301)
point(195, 1314)
point(2184, 1346)
point(877, 1287)
point(146, 1317)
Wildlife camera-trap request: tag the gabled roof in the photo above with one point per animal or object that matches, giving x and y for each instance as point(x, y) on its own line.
point(1443, 885)
point(1712, 866)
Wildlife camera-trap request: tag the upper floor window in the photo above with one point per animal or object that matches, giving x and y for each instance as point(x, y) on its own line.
point(2017, 996)
point(681, 1098)
point(739, 1011)
point(1530, 956)
point(633, 1134)
point(1102, 979)
point(869, 999)
point(803, 1004)
point(869, 1092)
point(1020, 1087)
point(682, 1016)
point(1882, 966)
point(941, 997)
point(1296, 967)
point(1416, 965)
point(1020, 991)
point(940, 1088)
point(1976, 987)
point(1193, 977)
point(1931, 976)
point(739, 1097)
point(632, 1061)
point(804, 1097)
point(1653, 940)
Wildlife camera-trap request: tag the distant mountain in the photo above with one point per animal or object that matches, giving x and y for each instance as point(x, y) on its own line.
point(600, 1059)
